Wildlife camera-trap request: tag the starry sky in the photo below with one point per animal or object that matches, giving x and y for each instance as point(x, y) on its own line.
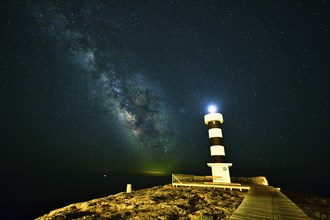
point(122, 86)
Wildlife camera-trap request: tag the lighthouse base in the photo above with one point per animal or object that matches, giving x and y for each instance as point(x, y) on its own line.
point(220, 172)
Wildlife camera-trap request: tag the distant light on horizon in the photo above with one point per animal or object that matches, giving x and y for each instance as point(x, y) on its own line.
point(155, 172)
point(212, 108)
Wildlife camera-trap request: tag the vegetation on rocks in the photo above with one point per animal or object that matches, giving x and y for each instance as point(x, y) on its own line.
point(160, 202)
point(167, 202)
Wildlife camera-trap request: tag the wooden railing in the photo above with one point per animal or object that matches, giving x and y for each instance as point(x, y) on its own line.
point(203, 181)
point(181, 178)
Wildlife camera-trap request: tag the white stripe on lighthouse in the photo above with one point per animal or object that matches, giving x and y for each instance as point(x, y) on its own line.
point(213, 117)
point(215, 132)
point(217, 150)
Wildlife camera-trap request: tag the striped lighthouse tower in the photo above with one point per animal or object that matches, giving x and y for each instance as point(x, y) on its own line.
point(220, 169)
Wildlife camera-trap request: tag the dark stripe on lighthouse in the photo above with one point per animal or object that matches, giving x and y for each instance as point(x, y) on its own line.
point(216, 141)
point(214, 124)
point(218, 159)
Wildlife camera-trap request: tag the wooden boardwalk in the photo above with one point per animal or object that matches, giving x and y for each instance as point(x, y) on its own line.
point(266, 202)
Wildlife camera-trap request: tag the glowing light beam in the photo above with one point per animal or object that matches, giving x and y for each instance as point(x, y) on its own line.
point(212, 108)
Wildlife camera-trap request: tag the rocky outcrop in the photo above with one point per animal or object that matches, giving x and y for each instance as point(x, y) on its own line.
point(167, 202)
point(313, 206)
point(160, 202)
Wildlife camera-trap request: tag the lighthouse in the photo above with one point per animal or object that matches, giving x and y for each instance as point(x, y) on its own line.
point(220, 169)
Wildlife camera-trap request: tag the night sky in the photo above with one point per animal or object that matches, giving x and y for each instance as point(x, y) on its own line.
point(123, 86)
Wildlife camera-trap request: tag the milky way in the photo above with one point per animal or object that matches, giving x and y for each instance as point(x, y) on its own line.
point(136, 102)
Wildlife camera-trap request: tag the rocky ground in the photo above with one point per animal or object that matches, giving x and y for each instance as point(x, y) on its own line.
point(160, 202)
point(313, 206)
point(167, 202)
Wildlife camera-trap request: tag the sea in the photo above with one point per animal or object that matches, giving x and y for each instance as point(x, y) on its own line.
point(28, 196)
